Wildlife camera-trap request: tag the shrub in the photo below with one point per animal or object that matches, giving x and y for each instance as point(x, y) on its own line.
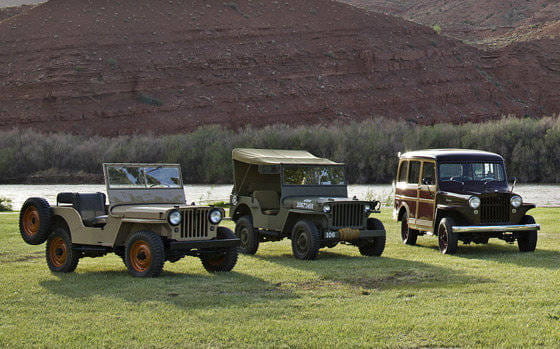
point(5, 204)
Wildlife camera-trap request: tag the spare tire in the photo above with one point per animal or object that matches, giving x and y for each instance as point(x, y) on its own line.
point(35, 221)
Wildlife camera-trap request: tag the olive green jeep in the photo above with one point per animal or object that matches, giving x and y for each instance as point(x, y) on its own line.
point(292, 194)
point(146, 223)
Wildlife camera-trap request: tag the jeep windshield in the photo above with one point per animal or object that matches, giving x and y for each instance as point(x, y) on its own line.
point(314, 175)
point(143, 177)
point(475, 176)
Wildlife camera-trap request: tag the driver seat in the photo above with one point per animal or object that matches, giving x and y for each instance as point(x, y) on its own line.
point(269, 201)
point(91, 207)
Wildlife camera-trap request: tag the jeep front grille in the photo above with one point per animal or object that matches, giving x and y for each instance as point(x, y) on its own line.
point(348, 214)
point(494, 209)
point(195, 223)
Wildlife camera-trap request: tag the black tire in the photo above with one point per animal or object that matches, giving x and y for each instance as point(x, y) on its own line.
point(222, 262)
point(60, 256)
point(306, 240)
point(145, 254)
point(376, 245)
point(408, 236)
point(35, 221)
point(527, 240)
point(448, 241)
point(248, 235)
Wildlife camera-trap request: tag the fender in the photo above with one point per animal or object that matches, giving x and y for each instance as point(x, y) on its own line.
point(398, 211)
point(314, 216)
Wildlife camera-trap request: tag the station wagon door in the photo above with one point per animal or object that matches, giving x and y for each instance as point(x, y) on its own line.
point(407, 187)
point(426, 195)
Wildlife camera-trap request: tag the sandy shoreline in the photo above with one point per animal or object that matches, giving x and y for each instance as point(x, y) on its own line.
point(12, 3)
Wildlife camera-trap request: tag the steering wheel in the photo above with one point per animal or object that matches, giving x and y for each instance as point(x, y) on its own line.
point(456, 179)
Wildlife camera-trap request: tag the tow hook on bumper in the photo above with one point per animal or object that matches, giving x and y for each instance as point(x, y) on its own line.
point(495, 228)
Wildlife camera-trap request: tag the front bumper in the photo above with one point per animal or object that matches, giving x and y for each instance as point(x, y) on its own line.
point(495, 228)
point(348, 234)
point(204, 244)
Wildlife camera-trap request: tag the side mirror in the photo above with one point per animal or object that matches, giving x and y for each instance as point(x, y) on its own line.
point(427, 181)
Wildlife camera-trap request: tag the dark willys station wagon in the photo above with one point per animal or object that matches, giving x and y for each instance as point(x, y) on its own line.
point(293, 194)
point(460, 195)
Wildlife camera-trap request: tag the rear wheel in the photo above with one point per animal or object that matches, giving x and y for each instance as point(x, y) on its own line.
point(306, 240)
point(245, 231)
point(448, 240)
point(60, 256)
point(224, 261)
point(376, 245)
point(409, 236)
point(527, 240)
point(35, 221)
point(145, 254)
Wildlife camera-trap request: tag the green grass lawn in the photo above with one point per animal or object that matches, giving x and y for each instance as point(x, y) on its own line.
point(487, 295)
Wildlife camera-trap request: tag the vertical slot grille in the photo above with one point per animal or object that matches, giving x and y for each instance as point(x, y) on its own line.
point(195, 223)
point(348, 215)
point(494, 209)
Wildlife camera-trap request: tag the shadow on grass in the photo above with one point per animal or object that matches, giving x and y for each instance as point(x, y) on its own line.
point(373, 272)
point(499, 251)
point(187, 291)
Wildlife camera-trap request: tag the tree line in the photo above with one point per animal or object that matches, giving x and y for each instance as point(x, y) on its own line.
point(530, 147)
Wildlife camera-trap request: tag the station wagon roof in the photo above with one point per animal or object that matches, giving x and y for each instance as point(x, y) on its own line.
point(278, 157)
point(452, 155)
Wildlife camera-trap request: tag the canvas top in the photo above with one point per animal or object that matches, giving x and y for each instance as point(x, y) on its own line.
point(278, 157)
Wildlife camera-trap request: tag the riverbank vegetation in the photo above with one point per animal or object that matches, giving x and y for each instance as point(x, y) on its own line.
point(413, 296)
point(5, 204)
point(369, 148)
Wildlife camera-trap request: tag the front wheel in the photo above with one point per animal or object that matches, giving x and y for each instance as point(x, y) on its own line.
point(224, 261)
point(527, 240)
point(60, 256)
point(245, 231)
point(306, 240)
point(376, 245)
point(145, 254)
point(408, 236)
point(448, 240)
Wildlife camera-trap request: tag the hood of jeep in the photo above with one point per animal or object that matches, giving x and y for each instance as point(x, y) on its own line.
point(315, 202)
point(144, 211)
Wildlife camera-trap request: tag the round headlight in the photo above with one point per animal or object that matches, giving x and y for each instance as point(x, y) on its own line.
point(474, 202)
point(215, 216)
point(327, 208)
point(174, 217)
point(516, 201)
point(367, 207)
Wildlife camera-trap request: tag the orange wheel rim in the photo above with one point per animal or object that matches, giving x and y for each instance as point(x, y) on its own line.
point(31, 221)
point(140, 256)
point(58, 252)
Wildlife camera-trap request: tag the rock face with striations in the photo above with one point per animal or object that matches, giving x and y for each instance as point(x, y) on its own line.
point(120, 67)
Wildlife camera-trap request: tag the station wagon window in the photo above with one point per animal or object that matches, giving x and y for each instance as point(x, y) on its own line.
point(137, 177)
point(414, 172)
point(429, 173)
point(314, 175)
point(472, 173)
point(403, 171)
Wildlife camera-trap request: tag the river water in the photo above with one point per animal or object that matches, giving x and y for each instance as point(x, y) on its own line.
point(540, 194)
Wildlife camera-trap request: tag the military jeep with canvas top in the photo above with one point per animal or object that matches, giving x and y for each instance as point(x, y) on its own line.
point(146, 223)
point(293, 194)
point(460, 195)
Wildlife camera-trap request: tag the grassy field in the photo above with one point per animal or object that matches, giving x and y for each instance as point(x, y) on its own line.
point(412, 296)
